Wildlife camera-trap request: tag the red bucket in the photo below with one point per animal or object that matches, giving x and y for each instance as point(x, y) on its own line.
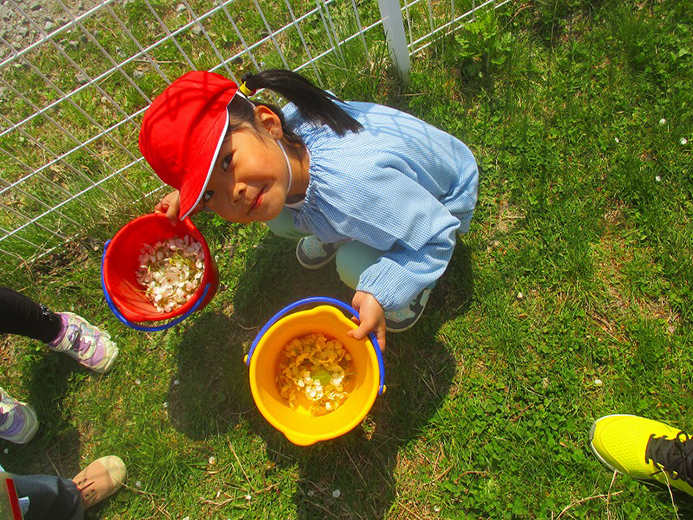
point(125, 295)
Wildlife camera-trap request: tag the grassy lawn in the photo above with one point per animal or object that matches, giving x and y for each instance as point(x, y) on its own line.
point(569, 299)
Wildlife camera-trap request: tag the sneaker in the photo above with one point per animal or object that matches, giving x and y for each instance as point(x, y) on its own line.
point(313, 254)
point(86, 343)
point(404, 319)
point(18, 421)
point(100, 479)
point(644, 449)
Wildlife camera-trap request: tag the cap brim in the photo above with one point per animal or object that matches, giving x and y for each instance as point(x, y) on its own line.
point(197, 177)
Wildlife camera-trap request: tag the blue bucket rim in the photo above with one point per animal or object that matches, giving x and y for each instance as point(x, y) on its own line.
point(321, 300)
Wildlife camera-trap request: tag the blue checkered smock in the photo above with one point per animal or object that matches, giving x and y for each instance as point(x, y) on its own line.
point(400, 186)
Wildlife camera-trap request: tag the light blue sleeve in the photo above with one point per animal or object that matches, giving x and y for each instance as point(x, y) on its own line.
point(413, 229)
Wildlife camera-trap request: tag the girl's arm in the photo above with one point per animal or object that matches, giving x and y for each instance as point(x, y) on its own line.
point(417, 236)
point(413, 229)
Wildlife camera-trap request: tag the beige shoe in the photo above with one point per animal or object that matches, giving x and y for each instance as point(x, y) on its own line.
point(100, 479)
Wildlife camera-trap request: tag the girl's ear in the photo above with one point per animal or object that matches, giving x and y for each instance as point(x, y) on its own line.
point(270, 121)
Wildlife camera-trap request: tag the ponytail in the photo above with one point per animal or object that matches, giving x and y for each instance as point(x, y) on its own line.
point(315, 104)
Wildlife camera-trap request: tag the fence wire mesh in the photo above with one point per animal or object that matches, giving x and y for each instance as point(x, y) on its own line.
point(76, 77)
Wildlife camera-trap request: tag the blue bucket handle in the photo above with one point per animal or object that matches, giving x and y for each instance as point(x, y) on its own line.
point(320, 300)
point(137, 326)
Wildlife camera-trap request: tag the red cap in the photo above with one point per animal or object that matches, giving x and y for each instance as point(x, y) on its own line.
point(182, 132)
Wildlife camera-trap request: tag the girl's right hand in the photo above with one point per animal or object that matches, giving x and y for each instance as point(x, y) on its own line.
point(170, 205)
point(372, 318)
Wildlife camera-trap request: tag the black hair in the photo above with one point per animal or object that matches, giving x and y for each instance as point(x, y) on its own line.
point(315, 104)
point(241, 113)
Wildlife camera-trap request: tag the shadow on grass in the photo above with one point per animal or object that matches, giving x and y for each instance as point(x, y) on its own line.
point(210, 391)
point(359, 467)
point(361, 464)
point(683, 501)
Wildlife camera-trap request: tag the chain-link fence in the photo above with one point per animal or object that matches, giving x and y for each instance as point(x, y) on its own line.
point(76, 77)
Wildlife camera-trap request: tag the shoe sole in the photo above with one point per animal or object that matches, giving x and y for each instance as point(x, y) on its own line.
point(312, 266)
point(398, 331)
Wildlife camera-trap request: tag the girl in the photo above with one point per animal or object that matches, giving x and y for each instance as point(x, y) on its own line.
point(382, 191)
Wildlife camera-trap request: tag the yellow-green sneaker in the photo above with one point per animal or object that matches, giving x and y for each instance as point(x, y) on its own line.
point(644, 449)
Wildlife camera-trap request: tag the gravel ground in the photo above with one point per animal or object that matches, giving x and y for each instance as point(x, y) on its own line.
point(22, 21)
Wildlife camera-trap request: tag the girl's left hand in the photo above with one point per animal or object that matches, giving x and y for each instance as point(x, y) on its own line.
point(372, 317)
point(169, 205)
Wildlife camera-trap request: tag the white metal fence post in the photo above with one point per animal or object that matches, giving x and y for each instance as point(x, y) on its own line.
point(391, 13)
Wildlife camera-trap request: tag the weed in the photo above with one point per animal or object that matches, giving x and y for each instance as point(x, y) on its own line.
point(568, 300)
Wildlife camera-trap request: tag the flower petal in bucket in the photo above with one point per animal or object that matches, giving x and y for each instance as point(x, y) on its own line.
point(121, 261)
point(299, 425)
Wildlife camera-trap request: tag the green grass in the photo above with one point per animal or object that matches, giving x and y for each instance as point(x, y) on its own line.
point(577, 268)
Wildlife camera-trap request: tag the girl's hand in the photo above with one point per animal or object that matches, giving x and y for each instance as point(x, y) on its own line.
point(372, 317)
point(170, 205)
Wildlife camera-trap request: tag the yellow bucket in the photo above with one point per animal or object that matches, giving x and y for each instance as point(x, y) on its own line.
point(299, 425)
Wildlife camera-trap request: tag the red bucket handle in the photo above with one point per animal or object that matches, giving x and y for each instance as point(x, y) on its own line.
point(137, 326)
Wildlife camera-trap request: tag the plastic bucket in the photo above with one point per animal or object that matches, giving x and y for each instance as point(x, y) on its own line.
point(120, 262)
point(299, 425)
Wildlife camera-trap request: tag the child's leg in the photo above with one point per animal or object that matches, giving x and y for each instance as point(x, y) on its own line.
point(283, 226)
point(21, 315)
point(49, 497)
point(353, 258)
point(64, 332)
point(58, 498)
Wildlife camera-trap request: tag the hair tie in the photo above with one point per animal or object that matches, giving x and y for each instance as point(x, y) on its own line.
point(245, 90)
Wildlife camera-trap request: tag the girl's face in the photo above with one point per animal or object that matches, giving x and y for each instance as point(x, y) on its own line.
point(250, 178)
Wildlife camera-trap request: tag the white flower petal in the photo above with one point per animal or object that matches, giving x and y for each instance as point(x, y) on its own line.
point(171, 271)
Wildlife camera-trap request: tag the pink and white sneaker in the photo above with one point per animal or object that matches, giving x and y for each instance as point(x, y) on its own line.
point(18, 421)
point(90, 346)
